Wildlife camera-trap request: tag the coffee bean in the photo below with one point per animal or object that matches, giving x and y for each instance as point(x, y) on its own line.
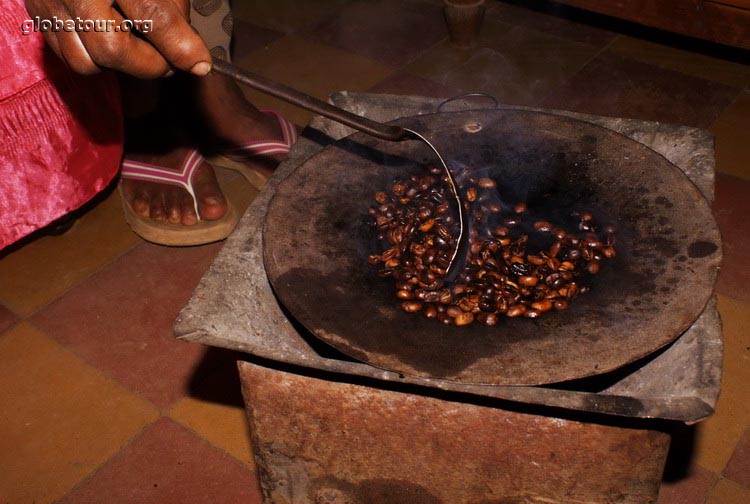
point(486, 183)
point(515, 311)
point(503, 274)
point(411, 306)
point(463, 319)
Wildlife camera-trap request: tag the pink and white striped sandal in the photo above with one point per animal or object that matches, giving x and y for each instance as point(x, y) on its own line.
point(236, 157)
point(165, 233)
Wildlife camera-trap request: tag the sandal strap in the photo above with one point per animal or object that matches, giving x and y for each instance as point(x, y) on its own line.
point(182, 177)
point(268, 146)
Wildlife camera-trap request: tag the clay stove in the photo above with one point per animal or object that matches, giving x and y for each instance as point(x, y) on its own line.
point(327, 429)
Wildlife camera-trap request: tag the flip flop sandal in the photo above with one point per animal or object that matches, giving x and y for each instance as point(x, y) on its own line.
point(236, 157)
point(165, 233)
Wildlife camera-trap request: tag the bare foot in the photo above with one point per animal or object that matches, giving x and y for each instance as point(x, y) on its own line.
point(168, 203)
point(234, 120)
point(226, 116)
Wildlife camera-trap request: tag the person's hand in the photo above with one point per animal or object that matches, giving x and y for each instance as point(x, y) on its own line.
point(171, 41)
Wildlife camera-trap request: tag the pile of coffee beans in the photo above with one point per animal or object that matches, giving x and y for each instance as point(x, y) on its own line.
point(503, 276)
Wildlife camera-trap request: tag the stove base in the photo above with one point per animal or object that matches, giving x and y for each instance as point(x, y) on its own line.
point(322, 441)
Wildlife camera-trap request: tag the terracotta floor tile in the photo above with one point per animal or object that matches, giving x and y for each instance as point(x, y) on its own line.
point(552, 23)
point(7, 318)
point(247, 37)
point(120, 319)
point(403, 83)
point(731, 208)
point(214, 408)
point(717, 437)
point(61, 418)
point(738, 468)
point(517, 65)
point(314, 68)
point(39, 272)
point(728, 492)
point(614, 86)
point(693, 489)
point(286, 16)
point(168, 464)
point(392, 32)
point(732, 131)
point(687, 62)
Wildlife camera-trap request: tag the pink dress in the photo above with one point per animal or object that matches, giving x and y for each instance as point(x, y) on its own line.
point(60, 133)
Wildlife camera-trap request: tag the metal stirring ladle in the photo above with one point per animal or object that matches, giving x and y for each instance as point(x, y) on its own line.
point(365, 125)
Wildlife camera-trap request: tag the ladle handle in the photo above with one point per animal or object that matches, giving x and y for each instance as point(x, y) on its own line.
point(300, 99)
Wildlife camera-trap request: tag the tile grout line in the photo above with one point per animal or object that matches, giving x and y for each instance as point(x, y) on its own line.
point(198, 434)
point(104, 373)
point(99, 467)
point(82, 279)
point(744, 433)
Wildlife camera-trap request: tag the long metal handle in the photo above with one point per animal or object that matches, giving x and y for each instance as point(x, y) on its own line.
point(319, 107)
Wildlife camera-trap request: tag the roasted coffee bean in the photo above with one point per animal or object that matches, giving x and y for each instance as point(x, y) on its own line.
point(520, 269)
point(494, 207)
point(392, 263)
point(411, 306)
point(405, 294)
point(560, 304)
point(427, 225)
point(486, 183)
point(503, 274)
point(542, 306)
point(528, 281)
point(488, 319)
point(404, 285)
point(512, 221)
point(463, 319)
point(535, 260)
point(486, 303)
point(543, 226)
point(445, 296)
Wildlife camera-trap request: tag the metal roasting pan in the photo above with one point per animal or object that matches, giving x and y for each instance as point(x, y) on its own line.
point(316, 242)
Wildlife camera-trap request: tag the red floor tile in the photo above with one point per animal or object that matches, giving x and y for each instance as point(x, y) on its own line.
point(618, 87)
point(7, 318)
point(247, 37)
point(120, 319)
point(392, 32)
point(731, 209)
point(692, 489)
point(738, 468)
point(402, 83)
point(165, 464)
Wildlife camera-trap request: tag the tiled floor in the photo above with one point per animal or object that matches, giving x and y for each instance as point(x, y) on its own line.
point(102, 404)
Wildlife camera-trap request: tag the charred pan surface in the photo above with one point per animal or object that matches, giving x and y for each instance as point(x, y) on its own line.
point(316, 243)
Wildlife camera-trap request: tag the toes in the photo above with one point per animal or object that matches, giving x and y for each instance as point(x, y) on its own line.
point(173, 206)
point(211, 202)
point(188, 211)
point(142, 204)
point(158, 211)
